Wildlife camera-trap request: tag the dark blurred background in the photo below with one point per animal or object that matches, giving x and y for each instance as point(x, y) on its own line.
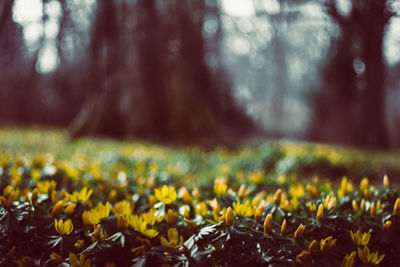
point(204, 70)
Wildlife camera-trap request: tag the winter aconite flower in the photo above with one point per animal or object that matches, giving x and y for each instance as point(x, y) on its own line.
point(82, 196)
point(349, 259)
point(139, 224)
point(268, 223)
point(122, 208)
point(63, 228)
point(360, 239)
point(369, 258)
point(229, 217)
point(165, 194)
point(299, 232)
point(244, 210)
point(327, 244)
point(220, 188)
point(94, 216)
point(174, 239)
point(82, 262)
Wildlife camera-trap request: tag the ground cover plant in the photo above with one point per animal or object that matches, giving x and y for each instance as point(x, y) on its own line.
point(105, 203)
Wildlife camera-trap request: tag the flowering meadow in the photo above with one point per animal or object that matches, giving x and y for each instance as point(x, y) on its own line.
point(106, 203)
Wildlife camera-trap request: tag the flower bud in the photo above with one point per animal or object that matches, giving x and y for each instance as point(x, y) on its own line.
point(387, 225)
point(152, 200)
point(69, 210)
point(34, 197)
point(58, 208)
point(56, 257)
point(299, 232)
point(277, 197)
point(172, 217)
point(320, 213)
point(122, 223)
point(372, 209)
point(327, 244)
point(258, 213)
point(192, 226)
point(229, 216)
point(303, 257)
point(362, 205)
point(284, 227)
point(313, 247)
point(386, 183)
point(396, 208)
point(268, 223)
point(355, 206)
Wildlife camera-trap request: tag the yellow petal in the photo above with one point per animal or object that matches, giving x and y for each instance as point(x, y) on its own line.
point(73, 260)
point(173, 235)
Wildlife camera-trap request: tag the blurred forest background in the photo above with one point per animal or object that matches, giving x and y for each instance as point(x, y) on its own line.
point(195, 70)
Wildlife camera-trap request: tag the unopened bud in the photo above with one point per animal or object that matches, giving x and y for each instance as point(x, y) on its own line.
point(268, 223)
point(386, 183)
point(192, 226)
point(396, 208)
point(229, 216)
point(320, 213)
point(258, 213)
point(299, 232)
point(58, 208)
point(284, 227)
point(277, 197)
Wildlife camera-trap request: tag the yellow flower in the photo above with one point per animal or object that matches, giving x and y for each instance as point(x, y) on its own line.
point(69, 210)
point(284, 227)
point(360, 239)
point(372, 209)
point(185, 195)
point(327, 244)
point(369, 258)
point(57, 209)
point(172, 217)
point(303, 257)
point(348, 260)
point(396, 208)
point(258, 213)
point(364, 184)
point(94, 216)
point(387, 225)
point(82, 196)
point(63, 228)
point(229, 217)
point(313, 247)
point(386, 183)
point(299, 232)
point(165, 194)
point(122, 208)
point(220, 188)
point(201, 208)
point(242, 192)
point(313, 208)
point(320, 213)
point(244, 210)
point(277, 197)
point(268, 223)
point(256, 177)
point(82, 262)
point(174, 239)
point(139, 224)
point(46, 186)
point(296, 190)
point(355, 206)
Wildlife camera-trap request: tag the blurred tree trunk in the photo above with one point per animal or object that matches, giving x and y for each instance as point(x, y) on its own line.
point(100, 114)
point(374, 17)
point(355, 102)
